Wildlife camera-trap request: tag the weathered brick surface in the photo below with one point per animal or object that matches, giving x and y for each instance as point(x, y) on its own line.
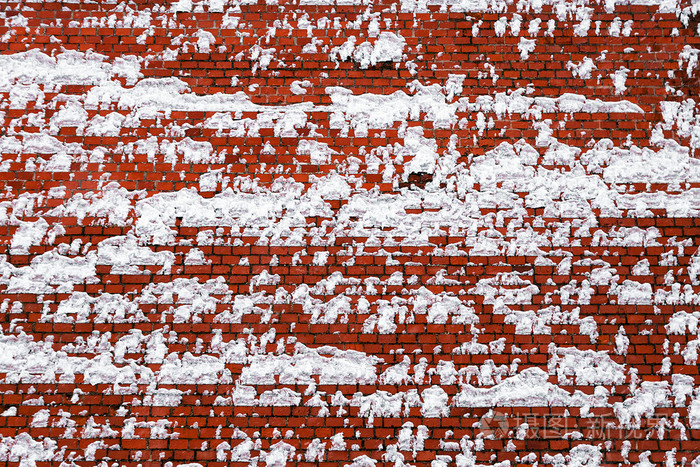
point(482, 249)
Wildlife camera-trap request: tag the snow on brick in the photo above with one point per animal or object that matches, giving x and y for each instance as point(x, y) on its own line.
point(337, 231)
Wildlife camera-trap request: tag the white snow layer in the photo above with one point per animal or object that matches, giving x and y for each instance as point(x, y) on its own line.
point(574, 185)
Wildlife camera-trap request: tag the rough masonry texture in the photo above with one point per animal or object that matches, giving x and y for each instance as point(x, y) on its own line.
point(350, 233)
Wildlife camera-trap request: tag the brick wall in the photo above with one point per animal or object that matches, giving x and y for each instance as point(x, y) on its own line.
point(349, 233)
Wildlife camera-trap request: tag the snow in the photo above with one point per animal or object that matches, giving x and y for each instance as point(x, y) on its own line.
point(526, 47)
point(359, 110)
point(205, 40)
point(328, 364)
point(650, 395)
point(279, 398)
point(529, 388)
point(583, 69)
point(434, 403)
point(683, 322)
point(315, 451)
point(125, 255)
point(584, 367)
point(689, 58)
point(622, 342)
point(53, 269)
point(443, 308)
point(424, 152)
point(319, 153)
point(40, 143)
point(634, 293)
point(454, 85)
point(28, 234)
point(380, 404)
point(191, 369)
point(387, 48)
point(182, 5)
point(164, 398)
point(26, 450)
point(66, 68)
point(476, 193)
point(694, 413)
point(497, 6)
point(337, 442)
point(579, 456)
point(40, 418)
point(619, 79)
point(298, 87)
